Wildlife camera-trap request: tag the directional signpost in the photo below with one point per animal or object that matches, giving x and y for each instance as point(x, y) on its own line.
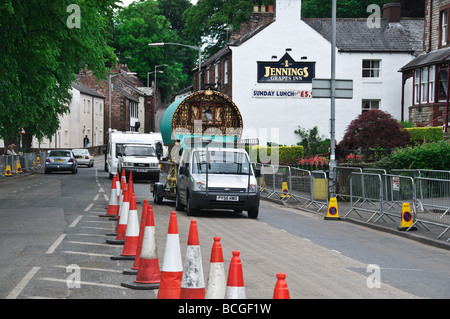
point(321, 88)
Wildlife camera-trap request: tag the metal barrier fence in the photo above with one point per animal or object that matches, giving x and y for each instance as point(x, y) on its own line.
point(372, 191)
point(28, 162)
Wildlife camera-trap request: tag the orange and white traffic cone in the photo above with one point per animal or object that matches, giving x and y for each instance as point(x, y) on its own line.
point(193, 283)
point(121, 187)
point(124, 176)
point(281, 290)
point(121, 226)
point(235, 284)
point(113, 207)
point(148, 274)
point(172, 269)
point(215, 288)
point(131, 235)
point(133, 270)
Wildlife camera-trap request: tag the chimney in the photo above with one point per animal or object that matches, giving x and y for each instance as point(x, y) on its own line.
point(260, 16)
point(288, 10)
point(392, 12)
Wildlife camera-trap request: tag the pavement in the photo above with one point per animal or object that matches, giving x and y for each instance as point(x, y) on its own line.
point(427, 235)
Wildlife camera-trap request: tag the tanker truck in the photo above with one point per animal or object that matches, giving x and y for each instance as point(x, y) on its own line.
point(208, 167)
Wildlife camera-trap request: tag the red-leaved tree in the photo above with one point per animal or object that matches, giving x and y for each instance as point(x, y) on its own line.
point(374, 128)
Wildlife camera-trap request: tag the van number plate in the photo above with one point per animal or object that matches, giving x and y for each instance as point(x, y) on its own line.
point(228, 198)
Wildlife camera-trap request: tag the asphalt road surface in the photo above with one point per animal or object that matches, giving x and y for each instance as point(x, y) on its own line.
point(51, 233)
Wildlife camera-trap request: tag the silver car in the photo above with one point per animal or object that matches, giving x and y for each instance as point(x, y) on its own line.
point(83, 157)
point(60, 160)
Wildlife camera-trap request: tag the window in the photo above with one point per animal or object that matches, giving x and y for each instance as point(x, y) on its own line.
point(417, 86)
point(371, 68)
point(225, 72)
point(443, 81)
point(368, 105)
point(424, 85)
point(443, 26)
point(431, 83)
point(216, 74)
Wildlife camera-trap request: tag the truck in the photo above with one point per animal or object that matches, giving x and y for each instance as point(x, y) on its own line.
point(208, 166)
point(116, 151)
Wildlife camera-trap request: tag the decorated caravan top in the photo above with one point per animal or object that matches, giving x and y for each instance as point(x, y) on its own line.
point(204, 114)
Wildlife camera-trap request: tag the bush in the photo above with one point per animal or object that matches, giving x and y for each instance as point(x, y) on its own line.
point(374, 128)
point(286, 154)
point(428, 134)
point(427, 156)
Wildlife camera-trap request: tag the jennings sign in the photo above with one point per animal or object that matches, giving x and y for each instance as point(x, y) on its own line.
point(286, 70)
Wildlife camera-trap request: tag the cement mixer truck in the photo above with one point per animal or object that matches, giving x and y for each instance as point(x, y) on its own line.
point(208, 167)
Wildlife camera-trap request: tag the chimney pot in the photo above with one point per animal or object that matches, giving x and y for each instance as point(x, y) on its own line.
point(392, 12)
point(263, 8)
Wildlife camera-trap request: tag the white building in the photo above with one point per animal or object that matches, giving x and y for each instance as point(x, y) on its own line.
point(84, 119)
point(263, 70)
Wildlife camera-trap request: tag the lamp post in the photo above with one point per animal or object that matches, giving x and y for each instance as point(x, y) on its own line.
point(187, 46)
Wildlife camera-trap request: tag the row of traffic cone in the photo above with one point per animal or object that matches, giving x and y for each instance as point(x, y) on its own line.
point(172, 280)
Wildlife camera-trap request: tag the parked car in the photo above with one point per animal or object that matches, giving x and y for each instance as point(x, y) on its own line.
point(60, 160)
point(83, 157)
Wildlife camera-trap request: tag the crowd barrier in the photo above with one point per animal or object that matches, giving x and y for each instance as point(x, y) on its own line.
point(373, 192)
point(11, 165)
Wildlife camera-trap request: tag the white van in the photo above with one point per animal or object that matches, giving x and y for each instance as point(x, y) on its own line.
point(217, 178)
point(139, 159)
point(116, 141)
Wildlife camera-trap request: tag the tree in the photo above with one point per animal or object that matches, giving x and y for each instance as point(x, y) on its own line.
point(312, 142)
point(344, 8)
point(206, 23)
point(374, 128)
point(43, 45)
point(142, 23)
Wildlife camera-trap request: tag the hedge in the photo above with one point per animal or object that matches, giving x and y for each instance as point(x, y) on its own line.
point(286, 154)
point(427, 134)
point(435, 156)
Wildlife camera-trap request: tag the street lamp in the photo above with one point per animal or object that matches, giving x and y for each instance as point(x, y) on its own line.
point(160, 44)
point(110, 85)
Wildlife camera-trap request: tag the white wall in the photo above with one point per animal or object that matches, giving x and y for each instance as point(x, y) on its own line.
point(261, 115)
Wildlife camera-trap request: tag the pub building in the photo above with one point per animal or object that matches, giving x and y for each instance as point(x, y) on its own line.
point(268, 66)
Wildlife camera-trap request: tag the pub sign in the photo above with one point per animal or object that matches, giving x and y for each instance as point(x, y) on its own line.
point(286, 70)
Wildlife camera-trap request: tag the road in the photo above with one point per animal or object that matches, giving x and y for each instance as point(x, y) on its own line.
point(50, 228)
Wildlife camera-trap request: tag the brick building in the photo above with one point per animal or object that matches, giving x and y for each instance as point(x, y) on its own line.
point(132, 106)
point(428, 75)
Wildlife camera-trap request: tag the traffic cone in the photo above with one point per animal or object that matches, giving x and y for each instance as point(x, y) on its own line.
point(284, 191)
point(121, 187)
point(407, 220)
point(124, 176)
point(148, 274)
point(193, 283)
point(122, 222)
point(172, 269)
point(281, 290)
point(235, 285)
point(333, 213)
point(18, 168)
point(215, 288)
point(131, 235)
point(133, 270)
point(8, 171)
point(113, 207)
